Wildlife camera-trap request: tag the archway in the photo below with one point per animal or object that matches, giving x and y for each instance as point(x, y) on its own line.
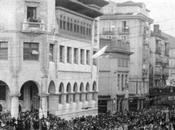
point(4, 96)
point(61, 93)
point(87, 91)
point(81, 92)
point(94, 89)
point(52, 98)
point(0, 108)
point(29, 96)
point(68, 96)
point(75, 90)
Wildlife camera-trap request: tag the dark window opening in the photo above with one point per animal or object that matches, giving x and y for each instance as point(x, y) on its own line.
point(31, 51)
point(51, 52)
point(3, 50)
point(2, 91)
point(31, 14)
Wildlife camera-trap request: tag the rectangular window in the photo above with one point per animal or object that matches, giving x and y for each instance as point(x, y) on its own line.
point(81, 98)
point(62, 54)
point(76, 55)
point(69, 55)
point(74, 97)
point(61, 21)
point(68, 24)
point(31, 14)
point(119, 62)
point(82, 56)
point(118, 81)
point(60, 99)
point(64, 22)
point(31, 51)
point(3, 50)
point(87, 57)
point(51, 52)
point(94, 60)
point(71, 25)
point(124, 24)
point(75, 26)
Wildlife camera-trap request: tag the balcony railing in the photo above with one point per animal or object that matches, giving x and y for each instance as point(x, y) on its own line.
point(108, 32)
point(166, 71)
point(123, 30)
point(34, 26)
point(158, 59)
point(158, 70)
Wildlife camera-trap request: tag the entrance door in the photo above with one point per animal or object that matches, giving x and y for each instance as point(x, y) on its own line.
point(29, 96)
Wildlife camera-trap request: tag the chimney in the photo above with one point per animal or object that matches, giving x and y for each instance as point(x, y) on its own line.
point(156, 28)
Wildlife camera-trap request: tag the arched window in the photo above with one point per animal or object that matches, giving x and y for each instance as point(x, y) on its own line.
point(94, 87)
point(81, 87)
point(68, 96)
point(52, 87)
point(87, 87)
point(61, 91)
point(2, 90)
point(81, 90)
point(87, 90)
point(75, 89)
point(61, 88)
point(68, 88)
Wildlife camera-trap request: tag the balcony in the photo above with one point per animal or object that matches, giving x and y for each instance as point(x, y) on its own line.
point(35, 26)
point(166, 71)
point(157, 70)
point(158, 59)
point(108, 32)
point(166, 52)
point(165, 60)
point(158, 50)
point(123, 31)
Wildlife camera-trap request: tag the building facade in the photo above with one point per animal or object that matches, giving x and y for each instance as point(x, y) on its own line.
point(46, 49)
point(171, 76)
point(130, 21)
point(113, 75)
point(159, 66)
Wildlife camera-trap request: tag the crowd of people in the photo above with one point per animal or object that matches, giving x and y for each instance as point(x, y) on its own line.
point(150, 119)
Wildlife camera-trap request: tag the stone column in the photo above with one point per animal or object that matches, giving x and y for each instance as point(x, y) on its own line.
point(14, 105)
point(43, 106)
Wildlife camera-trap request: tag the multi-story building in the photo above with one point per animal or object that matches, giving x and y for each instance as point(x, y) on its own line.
point(171, 76)
point(46, 49)
point(113, 75)
point(130, 21)
point(159, 59)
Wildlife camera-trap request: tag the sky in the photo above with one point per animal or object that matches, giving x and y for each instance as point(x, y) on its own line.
point(162, 12)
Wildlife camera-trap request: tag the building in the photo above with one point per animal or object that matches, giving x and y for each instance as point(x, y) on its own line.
point(130, 21)
point(171, 76)
point(113, 75)
point(159, 65)
point(46, 49)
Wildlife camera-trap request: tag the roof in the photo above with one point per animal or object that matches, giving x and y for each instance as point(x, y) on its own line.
point(86, 7)
point(171, 40)
point(120, 16)
point(131, 3)
point(99, 3)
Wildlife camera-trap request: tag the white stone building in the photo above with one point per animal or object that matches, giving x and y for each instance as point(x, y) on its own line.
point(130, 21)
point(46, 49)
